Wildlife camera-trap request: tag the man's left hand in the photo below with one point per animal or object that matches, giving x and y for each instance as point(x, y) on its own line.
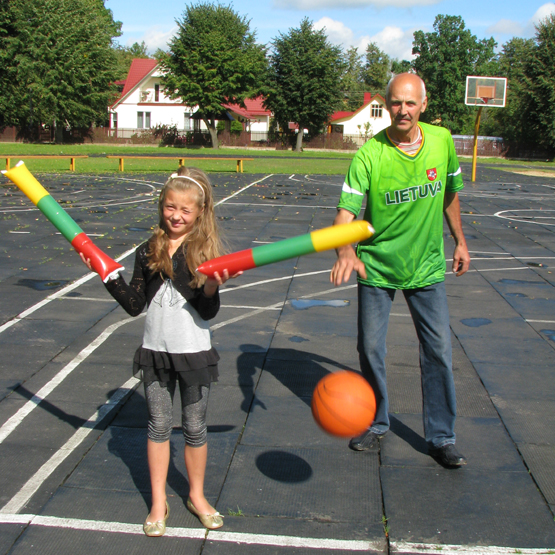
point(461, 260)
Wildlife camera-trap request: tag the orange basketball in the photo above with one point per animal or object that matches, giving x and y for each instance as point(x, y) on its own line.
point(343, 404)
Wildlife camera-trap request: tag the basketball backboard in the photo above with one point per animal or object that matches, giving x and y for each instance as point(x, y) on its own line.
point(485, 91)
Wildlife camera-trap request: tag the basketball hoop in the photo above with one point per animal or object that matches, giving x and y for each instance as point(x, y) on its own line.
point(483, 92)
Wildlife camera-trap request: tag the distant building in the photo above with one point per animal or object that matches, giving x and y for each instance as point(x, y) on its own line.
point(143, 104)
point(364, 123)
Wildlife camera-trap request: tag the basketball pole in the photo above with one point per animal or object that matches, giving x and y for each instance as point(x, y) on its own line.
point(475, 153)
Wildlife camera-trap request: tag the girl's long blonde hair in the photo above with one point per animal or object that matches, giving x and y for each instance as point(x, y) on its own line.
point(203, 241)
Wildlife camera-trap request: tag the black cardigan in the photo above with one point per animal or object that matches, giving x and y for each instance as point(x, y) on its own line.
point(144, 284)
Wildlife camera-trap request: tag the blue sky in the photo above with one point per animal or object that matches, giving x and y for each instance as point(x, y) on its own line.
point(348, 23)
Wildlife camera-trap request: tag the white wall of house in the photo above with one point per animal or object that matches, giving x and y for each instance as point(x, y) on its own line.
point(147, 106)
point(373, 113)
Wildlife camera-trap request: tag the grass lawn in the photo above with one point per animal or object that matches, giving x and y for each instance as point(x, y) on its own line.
point(265, 161)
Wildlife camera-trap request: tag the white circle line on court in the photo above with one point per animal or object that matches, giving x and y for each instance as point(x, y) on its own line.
point(505, 215)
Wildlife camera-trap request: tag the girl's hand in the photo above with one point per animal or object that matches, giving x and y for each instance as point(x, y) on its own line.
point(212, 283)
point(86, 261)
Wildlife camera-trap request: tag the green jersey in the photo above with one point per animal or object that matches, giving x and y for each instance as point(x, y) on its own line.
point(404, 203)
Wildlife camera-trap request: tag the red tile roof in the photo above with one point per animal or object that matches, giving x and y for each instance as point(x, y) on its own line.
point(368, 98)
point(254, 108)
point(140, 68)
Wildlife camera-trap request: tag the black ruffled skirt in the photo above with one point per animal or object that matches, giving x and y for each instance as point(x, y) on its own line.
point(194, 369)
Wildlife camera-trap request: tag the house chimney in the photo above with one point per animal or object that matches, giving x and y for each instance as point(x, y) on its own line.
point(367, 97)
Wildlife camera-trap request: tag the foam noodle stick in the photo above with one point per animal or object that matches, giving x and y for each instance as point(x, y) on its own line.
point(324, 239)
point(101, 262)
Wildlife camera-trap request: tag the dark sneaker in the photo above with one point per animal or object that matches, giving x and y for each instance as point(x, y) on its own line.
point(365, 441)
point(448, 456)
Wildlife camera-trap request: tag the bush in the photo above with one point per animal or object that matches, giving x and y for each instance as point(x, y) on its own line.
point(236, 127)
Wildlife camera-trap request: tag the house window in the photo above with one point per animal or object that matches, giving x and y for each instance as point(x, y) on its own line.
point(187, 126)
point(114, 120)
point(140, 120)
point(157, 93)
point(147, 120)
point(377, 111)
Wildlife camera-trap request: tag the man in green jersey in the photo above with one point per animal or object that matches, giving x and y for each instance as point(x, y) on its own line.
point(409, 175)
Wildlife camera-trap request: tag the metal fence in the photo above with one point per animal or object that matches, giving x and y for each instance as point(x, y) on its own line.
point(464, 144)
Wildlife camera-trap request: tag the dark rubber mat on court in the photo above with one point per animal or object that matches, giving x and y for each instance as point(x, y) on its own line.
point(306, 485)
point(465, 507)
point(483, 441)
point(53, 541)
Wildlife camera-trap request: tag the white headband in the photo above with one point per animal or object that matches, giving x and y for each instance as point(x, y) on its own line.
point(177, 176)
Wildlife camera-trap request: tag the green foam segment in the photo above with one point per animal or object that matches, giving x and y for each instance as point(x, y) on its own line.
point(59, 217)
point(283, 250)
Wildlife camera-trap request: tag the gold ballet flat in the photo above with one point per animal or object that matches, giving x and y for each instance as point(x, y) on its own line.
point(211, 522)
point(158, 528)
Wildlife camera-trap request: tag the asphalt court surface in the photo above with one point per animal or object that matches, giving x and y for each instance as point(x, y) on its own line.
point(73, 475)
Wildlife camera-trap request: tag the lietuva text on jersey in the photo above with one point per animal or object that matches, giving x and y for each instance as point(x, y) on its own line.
point(411, 194)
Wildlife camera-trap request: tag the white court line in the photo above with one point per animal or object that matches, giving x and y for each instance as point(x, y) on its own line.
point(516, 258)
point(57, 295)
point(243, 189)
point(275, 205)
point(92, 299)
point(246, 307)
point(244, 538)
point(91, 275)
point(494, 270)
point(18, 501)
point(406, 547)
point(193, 533)
point(540, 321)
point(12, 423)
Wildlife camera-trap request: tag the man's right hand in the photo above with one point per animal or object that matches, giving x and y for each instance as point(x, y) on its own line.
point(347, 261)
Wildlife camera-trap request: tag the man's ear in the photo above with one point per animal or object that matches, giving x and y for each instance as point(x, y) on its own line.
point(424, 104)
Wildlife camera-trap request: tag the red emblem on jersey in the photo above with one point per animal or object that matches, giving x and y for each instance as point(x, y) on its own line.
point(432, 174)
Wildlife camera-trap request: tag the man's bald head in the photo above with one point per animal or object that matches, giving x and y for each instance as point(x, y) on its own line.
point(405, 101)
point(405, 78)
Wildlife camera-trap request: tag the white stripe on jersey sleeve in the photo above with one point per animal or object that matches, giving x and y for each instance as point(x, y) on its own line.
point(454, 174)
point(350, 190)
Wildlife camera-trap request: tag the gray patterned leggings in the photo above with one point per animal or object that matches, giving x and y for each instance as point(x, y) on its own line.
point(194, 401)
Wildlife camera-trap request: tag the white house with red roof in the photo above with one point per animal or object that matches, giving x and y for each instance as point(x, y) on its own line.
point(143, 104)
point(365, 122)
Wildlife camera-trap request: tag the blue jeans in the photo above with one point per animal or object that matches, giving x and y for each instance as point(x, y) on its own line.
point(430, 315)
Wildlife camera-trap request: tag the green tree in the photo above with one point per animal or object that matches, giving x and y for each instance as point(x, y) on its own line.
point(445, 57)
point(377, 70)
point(126, 54)
point(540, 83)
point(213, 59)
point(57, 62)
point(352, 80)
point(513, 121)
point(304, 79)
point(402, 66)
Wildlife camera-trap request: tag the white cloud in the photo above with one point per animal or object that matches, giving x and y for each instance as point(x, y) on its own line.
point(155, 37)
point(320, 4)
point(394, 41)
point(336, 31)
point(514, 28)
point(543, 11)
point(505, 27)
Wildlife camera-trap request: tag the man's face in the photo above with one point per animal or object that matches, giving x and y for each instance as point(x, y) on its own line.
point(405, 104)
